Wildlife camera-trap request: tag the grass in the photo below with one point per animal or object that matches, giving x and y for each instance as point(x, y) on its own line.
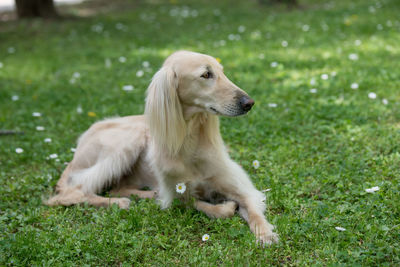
point(318, 152)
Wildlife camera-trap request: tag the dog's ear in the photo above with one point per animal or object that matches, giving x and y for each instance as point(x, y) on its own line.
point(164, 111)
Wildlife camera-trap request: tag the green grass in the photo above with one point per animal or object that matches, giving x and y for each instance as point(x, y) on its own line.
point(318, 152)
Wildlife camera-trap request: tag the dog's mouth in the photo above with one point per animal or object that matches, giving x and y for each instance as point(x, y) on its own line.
point(215, 111)
point(227, 113)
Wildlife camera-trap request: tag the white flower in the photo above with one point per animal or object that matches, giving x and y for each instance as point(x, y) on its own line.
point(127, 87)
point(261, 56)
point(73, 149)
point(256, 164)
point(274, 64)
point(353, 56)
point(36, 114)
point(372, 95)
point(324, 76)
point(357, 42)
point(53, 156)
point(333, 73)
point(47, 140)
point(313, 82)
point(272, 105)
point(1, 65)
point(379, 27)
point(11, 50)
point(39, 128)
point(139, 73)
point(181, 188)
point(79, 109)
point(76, 75)
point(284, 43)
point(313, 90)
point(385, 101)
point(122, 59)
point(341, 229)
point(372, 189)
point(305, 27)
point(107, 63)
point(241, 28)
point(354, 86)
point(19, 150)
point(205, 237)
point(15, 98)
point(145, 64)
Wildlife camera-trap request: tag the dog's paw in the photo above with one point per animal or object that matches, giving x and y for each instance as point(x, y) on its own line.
point(123, 202)
point(230, 208)
point(148, 194)
point(267, 238)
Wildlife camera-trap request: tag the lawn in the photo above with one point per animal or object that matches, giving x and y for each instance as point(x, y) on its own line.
point(325, 127)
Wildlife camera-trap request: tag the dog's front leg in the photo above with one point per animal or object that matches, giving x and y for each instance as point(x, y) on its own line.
point(234, 183)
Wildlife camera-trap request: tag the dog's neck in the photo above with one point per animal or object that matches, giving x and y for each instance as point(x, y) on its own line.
point(202, 130)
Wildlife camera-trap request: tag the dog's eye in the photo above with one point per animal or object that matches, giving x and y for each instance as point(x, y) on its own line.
point(206, 75)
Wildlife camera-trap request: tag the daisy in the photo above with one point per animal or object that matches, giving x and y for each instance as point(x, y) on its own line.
point(1, 65)
point(341, 229)
point(354, 86)
point(145, 64)
point(19, 150)
point(36, 114)
point(324, 76)
point(53, 156)
point(11, 50)
point(284, 43)
point(313, 81)
point(274, 64)
point(385, 101)
point(79, 110)
point(15, 98)
point(47, 140)
point(127, 87)
point(205, 237)
point(353, 56)
point(39, 128)
point(372, 95)
point(107, 63)
point(181, 188)
point(372, 189)
point(241, 28)
point(272, 105)
point(305, 28)
point(357, 42)
point(256, 164)
point(76, 75)
point(122, 59)
point(139, 73)
point(313, 91)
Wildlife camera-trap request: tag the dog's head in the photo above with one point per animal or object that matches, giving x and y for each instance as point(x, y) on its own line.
point(187, 84)
point(202, 86)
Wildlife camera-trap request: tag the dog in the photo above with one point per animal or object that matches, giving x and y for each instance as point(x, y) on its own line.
point(177, 140)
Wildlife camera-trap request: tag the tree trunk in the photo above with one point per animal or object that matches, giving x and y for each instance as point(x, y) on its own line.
point(36, 8)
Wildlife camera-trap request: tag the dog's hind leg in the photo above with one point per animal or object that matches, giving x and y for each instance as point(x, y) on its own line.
point(75, 195)
point(223, 210)
point(128, 191)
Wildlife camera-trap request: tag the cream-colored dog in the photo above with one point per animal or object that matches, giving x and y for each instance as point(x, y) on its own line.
point(177, 140)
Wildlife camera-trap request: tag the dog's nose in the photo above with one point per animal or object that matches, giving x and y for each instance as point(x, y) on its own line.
point(246, 103)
